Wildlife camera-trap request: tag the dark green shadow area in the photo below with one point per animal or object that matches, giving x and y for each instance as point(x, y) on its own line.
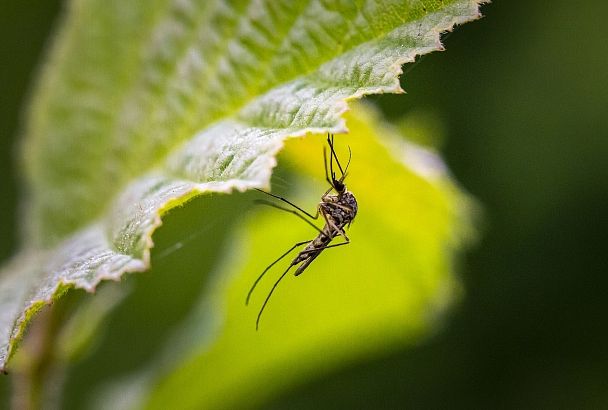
point(24, 30)
point(5, 392)
point(189, 245)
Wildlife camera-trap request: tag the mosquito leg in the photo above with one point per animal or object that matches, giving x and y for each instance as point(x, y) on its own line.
point(312, 255)
point(325, 247)
point(333, 226)
point(345, 207)
point(280, 198)
point(291, 211)
point(257, 321)
point(339, 230)
point(324, 196)
point(270, 266)
point(322, 248)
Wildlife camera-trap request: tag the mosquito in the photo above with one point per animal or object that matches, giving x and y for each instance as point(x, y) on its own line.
point(338, 210)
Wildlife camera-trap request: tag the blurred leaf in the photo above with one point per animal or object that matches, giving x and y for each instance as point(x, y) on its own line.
point(143, 105)
point(424, 127)
point(386, 289)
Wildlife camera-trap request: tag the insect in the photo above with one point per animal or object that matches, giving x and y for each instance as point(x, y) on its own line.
point(338, 210)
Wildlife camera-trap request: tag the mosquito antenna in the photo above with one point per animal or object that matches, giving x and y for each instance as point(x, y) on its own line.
point(333, 151)
point(257, 322)
point(331, 158)
point(350, 155)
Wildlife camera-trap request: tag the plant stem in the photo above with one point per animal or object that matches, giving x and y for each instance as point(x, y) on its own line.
point(36, 362)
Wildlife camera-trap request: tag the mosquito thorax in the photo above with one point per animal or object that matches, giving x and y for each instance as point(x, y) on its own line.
point(348, 199)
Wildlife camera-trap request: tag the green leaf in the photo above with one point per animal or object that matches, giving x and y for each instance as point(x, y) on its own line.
point(143, 105)
point(386, 289)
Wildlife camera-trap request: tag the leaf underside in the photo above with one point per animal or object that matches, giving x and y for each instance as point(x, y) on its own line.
point(144, 104)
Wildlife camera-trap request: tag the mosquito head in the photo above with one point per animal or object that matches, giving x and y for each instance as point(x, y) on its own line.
point(330, 175)
point(339, 186)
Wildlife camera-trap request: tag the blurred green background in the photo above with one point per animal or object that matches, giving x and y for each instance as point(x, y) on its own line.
point(521, 96)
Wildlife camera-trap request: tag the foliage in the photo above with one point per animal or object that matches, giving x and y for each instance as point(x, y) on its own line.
point(176, 99)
